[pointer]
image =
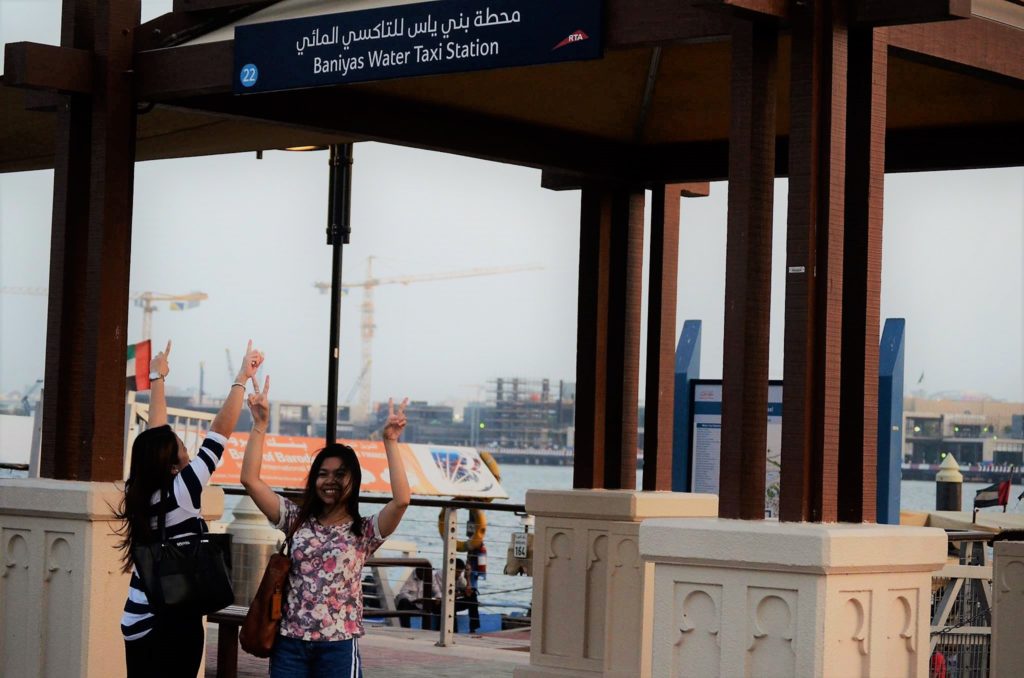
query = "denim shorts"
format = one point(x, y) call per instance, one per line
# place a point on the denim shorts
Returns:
point(293, 658)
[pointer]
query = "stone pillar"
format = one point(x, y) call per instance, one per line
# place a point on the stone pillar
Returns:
point(61, 587)
point(762, 599)
point(592, 595)
point(1008, 601)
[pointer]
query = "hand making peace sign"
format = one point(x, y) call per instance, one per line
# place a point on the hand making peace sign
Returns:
point(396, 422)
point(259, 404)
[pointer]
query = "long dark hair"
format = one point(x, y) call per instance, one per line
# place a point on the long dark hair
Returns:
point(154, 456)
point(311, 503)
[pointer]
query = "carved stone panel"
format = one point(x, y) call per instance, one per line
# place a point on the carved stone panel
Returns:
point(697, 651)
point(59, 587)
point(771, 624)
point(853, 635)
point(901, 641)
point(16, 596)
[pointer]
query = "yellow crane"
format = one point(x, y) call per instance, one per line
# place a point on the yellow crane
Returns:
point(144, 300)
point(367, 326)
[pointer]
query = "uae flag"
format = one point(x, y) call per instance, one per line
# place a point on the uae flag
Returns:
point(138, 366)
point(993, 495)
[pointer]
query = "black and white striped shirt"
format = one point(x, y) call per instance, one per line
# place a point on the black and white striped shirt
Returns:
point(183, 518)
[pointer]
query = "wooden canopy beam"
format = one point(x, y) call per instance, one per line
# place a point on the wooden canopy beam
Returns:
point(974, 46)
point(202, 5)
point(192, 18)
point(751, 9)
point(390, 120)
point(889, 13)
point(48, 67)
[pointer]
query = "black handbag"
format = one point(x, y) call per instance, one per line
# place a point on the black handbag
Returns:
point(188, 574)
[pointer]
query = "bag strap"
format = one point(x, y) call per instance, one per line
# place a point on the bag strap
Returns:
point(161, 518)
point(286, 546)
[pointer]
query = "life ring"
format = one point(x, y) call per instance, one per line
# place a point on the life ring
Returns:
point(476, 516)
point(492, 464)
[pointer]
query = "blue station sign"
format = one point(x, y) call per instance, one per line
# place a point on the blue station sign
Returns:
point(402, 41)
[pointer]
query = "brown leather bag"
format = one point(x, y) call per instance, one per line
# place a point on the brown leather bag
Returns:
point(259, 630)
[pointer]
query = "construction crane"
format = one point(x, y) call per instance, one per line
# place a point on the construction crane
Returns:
point(176, 302)
point(144, 300)
point(367, 309)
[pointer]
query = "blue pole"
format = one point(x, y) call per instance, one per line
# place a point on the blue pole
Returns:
point(890, 421)
point(687, 370)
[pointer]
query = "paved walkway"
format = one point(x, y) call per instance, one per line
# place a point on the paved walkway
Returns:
point(407, 653)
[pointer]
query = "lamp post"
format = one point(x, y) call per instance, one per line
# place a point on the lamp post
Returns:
point(339, 228)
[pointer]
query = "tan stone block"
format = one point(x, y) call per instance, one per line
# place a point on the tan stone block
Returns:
point(62, 590)
point(592, 593)
point(1008, 610)
point(762, 598)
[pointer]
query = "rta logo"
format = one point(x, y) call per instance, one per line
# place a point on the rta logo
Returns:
point(576, 36)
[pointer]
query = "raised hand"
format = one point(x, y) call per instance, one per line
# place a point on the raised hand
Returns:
point(259, 404)
point(159, 362)
point(250, 364)
point(396, 422)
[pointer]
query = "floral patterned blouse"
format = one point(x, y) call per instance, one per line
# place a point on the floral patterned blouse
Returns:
point(325, 589)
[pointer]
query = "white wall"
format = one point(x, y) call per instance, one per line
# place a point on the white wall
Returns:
point(15, 438)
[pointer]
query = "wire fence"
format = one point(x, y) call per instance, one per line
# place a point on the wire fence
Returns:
point(961, 635)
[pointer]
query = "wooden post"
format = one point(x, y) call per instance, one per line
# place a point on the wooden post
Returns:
point(591, 339)
point(748, 271)
point(862, 273)
point(625, 281)
point(814, 259)
point(608, 337)
point(659, 401)
point(87, 319)
point(661, 329)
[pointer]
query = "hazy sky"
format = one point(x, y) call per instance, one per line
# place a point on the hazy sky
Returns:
point(250, 233)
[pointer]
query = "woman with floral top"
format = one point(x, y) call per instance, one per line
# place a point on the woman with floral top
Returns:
point(323, 610)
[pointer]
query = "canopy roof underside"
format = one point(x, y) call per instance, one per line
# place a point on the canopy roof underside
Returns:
point(568, 117)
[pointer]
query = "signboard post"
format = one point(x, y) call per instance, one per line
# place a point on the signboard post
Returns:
point(410, 40)
point(706, 440)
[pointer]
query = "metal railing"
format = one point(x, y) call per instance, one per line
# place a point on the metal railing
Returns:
point(961, 623)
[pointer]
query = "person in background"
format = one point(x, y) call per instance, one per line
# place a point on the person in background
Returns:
point(411, 597)
point(323, 611)
point(161, 644)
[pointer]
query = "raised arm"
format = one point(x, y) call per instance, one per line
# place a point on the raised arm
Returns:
point(157, 395)
point(393, 511)
point(224, 422)
point(259, 491)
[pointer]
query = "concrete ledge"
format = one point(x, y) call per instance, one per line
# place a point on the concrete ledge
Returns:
point(619, 505)
point(79, 500)
point(814, 548)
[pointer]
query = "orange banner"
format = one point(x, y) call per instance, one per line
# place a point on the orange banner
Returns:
point(286, 462)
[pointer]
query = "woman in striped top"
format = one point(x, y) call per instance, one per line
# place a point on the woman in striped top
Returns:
point(164, 643)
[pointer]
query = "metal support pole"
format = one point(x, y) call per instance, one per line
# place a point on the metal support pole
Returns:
point(447, 637)
point(339, 228)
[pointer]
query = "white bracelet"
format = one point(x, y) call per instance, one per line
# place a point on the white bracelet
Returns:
point(258, 430)
point(238, 383)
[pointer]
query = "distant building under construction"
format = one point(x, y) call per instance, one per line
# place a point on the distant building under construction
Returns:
point(524, 413)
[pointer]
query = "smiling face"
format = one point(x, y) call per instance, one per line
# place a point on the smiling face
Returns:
point(332, 482)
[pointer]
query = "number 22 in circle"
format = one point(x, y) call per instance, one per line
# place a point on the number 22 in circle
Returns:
point(249, 75)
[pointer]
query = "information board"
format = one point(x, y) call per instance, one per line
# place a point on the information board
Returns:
point(415, 39)
point(706, 440)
